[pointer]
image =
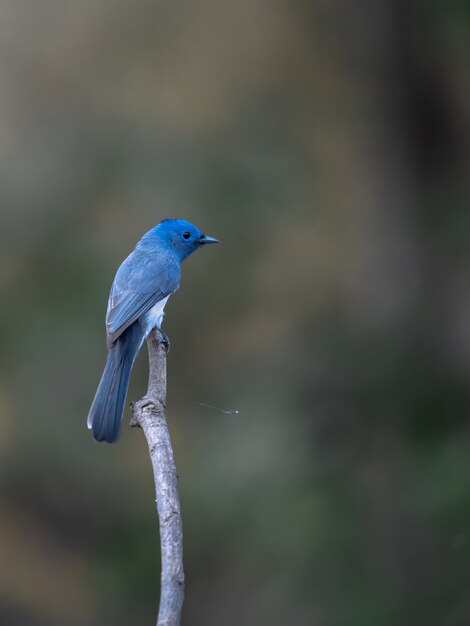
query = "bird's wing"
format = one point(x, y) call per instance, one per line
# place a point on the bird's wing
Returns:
point(140, 283)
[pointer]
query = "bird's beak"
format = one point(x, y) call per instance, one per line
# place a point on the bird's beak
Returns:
point(206, 239)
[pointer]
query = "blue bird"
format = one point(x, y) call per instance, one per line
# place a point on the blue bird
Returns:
point(141, 288)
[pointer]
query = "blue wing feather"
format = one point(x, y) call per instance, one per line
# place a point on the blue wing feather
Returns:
point(140, 282)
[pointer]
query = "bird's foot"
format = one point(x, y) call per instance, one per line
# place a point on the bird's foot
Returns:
point(165, 341)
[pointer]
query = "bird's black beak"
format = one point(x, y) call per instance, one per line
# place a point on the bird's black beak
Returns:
point(206, 239)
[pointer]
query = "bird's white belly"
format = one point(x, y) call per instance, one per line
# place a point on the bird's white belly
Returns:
point(154, 318)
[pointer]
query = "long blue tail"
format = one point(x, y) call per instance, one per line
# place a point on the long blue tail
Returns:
point(104, 418)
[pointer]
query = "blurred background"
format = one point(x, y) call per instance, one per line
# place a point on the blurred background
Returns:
point(327, 145)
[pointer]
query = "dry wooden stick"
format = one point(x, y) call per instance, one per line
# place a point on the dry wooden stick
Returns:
point(149, 414)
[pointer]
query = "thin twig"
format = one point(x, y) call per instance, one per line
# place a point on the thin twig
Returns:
point(149, 414)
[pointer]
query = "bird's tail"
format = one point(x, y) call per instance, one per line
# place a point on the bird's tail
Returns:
point(104, 418)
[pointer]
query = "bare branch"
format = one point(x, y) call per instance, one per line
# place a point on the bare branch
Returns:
point(149, 414)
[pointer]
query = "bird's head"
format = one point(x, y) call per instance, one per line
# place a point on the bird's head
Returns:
point(182, 237)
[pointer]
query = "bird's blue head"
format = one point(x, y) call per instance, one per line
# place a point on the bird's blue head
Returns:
point(181, 236)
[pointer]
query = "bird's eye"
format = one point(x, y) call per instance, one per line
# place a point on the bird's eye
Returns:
point(186, 235)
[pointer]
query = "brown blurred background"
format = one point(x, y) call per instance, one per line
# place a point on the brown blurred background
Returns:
point(327, 145)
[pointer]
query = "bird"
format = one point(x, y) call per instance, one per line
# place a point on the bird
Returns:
point(140, 290)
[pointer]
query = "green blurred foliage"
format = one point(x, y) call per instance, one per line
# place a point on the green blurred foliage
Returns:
point(327, 146)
